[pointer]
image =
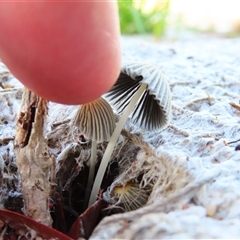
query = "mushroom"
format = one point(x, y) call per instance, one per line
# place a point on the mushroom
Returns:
point(144, 89)
point(129, 197)
point(96, 121)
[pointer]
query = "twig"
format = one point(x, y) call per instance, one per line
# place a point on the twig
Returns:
point(235, 105)
point(33, 159)
point(208, 99)
point(181, 83)
point(56, 124)
point(177, 108)
point(7, 90)
point(233, 141)
point(6, 140)
point(178, 130)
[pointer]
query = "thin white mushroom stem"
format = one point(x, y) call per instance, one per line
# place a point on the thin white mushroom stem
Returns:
point(113, 141)
point(92, 165)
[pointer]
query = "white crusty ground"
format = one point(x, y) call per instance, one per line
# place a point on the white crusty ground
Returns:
point(204, 75)
point(202, 169)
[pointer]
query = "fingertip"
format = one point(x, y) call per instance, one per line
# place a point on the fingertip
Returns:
point(72, 53)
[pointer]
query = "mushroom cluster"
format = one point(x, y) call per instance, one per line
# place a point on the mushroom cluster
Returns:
point(142, 92)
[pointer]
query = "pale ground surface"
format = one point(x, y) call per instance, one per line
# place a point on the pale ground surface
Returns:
point(195, 177)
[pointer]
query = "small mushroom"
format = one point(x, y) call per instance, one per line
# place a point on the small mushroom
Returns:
point(144, 89)
point(128, 197)
point(96, 121)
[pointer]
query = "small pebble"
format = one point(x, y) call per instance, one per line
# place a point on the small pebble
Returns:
point(211, 210)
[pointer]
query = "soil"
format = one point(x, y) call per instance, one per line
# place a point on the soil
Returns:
point(188, 172)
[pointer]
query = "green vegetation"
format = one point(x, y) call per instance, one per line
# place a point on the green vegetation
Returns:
point(135, 18)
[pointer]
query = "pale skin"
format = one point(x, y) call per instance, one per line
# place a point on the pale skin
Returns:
point(66, 52)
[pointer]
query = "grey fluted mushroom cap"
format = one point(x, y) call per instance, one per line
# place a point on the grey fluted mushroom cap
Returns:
point(153, 111)
point(95, 120)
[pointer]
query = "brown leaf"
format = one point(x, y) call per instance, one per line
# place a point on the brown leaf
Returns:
point(86, 222)
point(22, 224)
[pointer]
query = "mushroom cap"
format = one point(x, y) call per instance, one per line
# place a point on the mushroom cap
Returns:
point(130, 197)
point(95, 120)
point(153, 111)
